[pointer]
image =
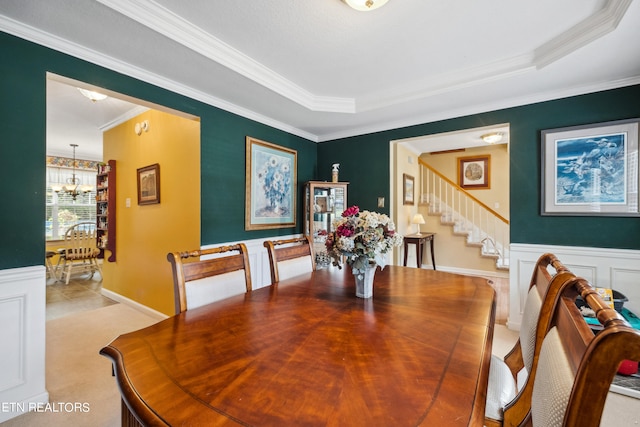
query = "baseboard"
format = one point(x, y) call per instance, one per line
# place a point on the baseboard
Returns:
point(133, 304)
point(15, 409)
point(470, 272)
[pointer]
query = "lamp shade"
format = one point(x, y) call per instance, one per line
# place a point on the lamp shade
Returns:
point(417, 219)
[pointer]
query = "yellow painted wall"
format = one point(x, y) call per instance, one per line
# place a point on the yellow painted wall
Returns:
point(145, 234)
point(406, 163)
point(447, 164)
point(451, 250)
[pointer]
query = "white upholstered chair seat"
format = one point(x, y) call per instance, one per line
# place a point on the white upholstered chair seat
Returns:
point(502, 387)
point(501, 390)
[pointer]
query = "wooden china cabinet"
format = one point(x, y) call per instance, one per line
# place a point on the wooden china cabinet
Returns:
point(323, 203)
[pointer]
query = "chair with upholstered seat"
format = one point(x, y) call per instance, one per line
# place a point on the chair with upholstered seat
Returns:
point(210, 276)
point(511, 379)
point(576, 367)
point(80, 252)
point(294, 257)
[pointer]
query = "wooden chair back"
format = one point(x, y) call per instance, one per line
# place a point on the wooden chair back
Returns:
point(576, 367)
point(80, 250)
point(203, 281)
point(548, 279)
point(81, 241)
point(293, 258)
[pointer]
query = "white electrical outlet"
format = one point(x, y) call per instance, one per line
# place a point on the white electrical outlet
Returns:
point(381, 202)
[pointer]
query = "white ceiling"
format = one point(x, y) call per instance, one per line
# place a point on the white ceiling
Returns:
point(321, 70)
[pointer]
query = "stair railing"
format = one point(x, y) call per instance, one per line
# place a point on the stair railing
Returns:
point(482, 225)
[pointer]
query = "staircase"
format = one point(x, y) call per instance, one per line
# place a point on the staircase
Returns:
point(471, 219)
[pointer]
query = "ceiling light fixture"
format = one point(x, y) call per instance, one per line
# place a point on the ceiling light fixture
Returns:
point(73, 186)
point(92, 95)
point(492, 138)
point(365, 5)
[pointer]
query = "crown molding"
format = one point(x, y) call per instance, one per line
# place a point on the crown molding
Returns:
point(590, 29)
point(448, 82)
point(481, 108)
point(156, 17)
point(40, 37)
point(165, 22)
point(595, 26)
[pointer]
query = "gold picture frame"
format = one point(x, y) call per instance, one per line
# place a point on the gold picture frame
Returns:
point(271, 185)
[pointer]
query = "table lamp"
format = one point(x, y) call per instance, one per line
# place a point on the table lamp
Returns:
point(418, 219)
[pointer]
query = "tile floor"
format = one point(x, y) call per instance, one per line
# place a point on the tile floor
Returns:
point(81, 294)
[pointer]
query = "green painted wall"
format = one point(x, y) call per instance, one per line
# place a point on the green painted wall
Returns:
point(365, 163)
point(364, 159)
point(23, 144)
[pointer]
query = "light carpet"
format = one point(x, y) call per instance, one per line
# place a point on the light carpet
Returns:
point(76, 373)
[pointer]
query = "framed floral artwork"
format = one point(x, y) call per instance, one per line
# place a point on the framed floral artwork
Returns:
point(270, 179)
point(149, 185)
point(474, 172)
point(591, 170)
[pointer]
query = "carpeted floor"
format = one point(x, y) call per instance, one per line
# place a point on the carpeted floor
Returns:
point(77, 374)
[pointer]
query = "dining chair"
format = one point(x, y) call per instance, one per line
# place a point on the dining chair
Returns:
point(80, 251)
point(203, 276)
point(576, 367)
point(511, 379)
point(295, 257)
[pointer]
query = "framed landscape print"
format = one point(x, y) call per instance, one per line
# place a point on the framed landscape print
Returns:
point(591, 170)
point(149, 185)
point(270, 179)
point(408, 189)
point(474, 172)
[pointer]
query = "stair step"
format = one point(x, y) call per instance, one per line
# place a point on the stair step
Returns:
point(459, 228)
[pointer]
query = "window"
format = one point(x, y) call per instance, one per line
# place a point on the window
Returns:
point(62, 210)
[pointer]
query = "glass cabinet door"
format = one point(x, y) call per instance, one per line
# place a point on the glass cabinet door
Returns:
point(324, 202)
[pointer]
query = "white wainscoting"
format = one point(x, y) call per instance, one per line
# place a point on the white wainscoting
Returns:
point(617, 269)
point(258, 258)
point(22, 356)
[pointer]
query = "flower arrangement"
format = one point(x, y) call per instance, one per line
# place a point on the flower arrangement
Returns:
point(275, 178)
point(361, 237)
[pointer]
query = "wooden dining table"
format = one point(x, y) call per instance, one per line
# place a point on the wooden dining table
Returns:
point(308, 352)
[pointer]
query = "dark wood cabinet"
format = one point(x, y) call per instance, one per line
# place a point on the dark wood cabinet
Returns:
point(106, 209)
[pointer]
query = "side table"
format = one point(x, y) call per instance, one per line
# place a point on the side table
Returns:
point(419, 240)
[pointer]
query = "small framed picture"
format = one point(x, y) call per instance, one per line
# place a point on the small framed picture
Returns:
point(408, 189)
point(149, 185)
point(474, 172)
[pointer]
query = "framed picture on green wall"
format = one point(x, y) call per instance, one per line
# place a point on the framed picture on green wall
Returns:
point(591, 170)
point(270, 179)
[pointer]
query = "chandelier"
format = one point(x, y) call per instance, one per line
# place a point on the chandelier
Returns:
point(73, 187)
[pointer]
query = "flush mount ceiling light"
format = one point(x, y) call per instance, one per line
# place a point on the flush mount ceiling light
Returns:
point(93, 96)
point(492, 138)
point(365, 5)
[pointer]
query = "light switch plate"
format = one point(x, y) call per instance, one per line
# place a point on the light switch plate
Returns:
point(381, 202)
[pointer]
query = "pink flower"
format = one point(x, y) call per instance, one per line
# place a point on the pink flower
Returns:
point(351, 211)
point(344, 231)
